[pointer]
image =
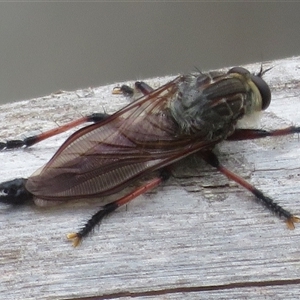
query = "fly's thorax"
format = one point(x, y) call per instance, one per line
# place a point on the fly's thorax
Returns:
point(210, 104)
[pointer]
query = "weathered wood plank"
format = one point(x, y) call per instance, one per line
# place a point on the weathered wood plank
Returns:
point(195, 236)
point(289, 292)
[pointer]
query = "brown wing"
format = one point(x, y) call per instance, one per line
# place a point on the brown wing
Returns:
point(103, 158)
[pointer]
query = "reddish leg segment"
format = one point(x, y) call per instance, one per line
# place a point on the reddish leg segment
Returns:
point(250, 134)
point(112, 206)
point(12, 144)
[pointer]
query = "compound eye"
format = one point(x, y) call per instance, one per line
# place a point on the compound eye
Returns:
point(263, 89)
point(259, 82)
point(239, 70)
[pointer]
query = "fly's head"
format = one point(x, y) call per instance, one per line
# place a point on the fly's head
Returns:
point(259, 89)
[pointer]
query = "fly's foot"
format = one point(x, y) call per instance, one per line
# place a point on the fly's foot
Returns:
point(124, 89)
point(291, 220)
point(75, 238)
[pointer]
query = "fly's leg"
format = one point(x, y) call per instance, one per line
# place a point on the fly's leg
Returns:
point(213, 160)
point(12, 144)
point(139, 86)
point(76, 237)
point(250, 134)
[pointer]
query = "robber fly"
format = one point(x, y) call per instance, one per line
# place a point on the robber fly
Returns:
point(189, 114)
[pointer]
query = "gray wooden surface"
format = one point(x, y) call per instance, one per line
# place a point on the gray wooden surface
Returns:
point(196, 237)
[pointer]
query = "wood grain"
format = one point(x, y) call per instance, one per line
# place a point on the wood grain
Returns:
point(196, 237)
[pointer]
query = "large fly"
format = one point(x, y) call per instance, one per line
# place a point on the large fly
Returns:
point(190, 114)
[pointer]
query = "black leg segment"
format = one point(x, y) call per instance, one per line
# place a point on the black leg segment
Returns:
point(213, 160)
